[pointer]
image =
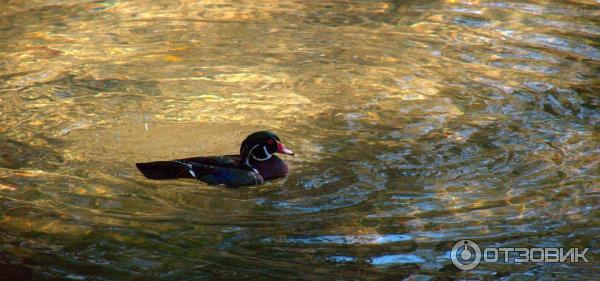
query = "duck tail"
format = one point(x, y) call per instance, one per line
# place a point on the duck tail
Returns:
point(163, 170)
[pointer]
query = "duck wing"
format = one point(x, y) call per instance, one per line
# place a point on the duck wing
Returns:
point(163, 170)
point(212, 170)
point(187, 167)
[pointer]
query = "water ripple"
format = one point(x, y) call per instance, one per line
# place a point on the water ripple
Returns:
point(415, 123)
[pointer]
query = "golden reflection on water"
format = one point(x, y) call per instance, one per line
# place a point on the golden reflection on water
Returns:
point(416, 123)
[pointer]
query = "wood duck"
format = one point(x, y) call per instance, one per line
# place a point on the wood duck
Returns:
point(255, 164)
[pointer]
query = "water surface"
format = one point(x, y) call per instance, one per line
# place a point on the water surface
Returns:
point(415, 123)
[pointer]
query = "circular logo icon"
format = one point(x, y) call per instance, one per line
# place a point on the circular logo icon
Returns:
point(466, 255)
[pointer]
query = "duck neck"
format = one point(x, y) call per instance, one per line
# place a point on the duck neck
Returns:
point(274, 167)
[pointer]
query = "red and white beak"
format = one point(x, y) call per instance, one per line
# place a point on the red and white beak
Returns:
point(281, 149)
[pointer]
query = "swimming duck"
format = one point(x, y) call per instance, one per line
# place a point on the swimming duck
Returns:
point(255, 164)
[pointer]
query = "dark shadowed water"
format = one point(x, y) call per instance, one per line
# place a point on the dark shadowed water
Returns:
point(415, 124)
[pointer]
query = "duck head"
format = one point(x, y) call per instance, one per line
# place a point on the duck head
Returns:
point(261, 146)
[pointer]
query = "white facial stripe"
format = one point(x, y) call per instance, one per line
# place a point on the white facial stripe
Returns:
point(266, 152)
point(267, 157)
point(250, 153)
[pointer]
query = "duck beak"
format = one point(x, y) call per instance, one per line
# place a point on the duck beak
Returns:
point(281, 149)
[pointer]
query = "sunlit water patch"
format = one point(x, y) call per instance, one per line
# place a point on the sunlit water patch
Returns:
point(415, 124)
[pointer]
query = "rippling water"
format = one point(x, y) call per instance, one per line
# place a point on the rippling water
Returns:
point(416, 124)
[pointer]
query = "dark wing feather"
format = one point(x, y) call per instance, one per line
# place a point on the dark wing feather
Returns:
point(228, 161)
point(162, 170)
point(232, 177)
point(213, 170)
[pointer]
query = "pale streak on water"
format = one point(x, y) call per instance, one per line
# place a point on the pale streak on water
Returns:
point(416, 124)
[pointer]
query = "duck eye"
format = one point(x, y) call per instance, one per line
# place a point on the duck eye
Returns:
point(270, 142)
